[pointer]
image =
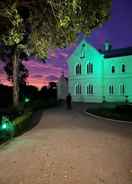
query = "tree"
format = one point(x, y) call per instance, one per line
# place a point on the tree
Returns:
point(55, 23)
point(23, 72)
point(13, 38)
point(5, 56)
point(37, 25)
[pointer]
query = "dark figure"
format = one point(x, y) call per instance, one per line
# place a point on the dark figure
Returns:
point(68, 101)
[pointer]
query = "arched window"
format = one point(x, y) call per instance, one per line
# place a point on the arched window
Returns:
point(111, 90)
point(123, 68)
point(113, 69)
point(78, 89)
point(78, 69)
point(122, 89)
point(89, 89)
point(89, 68)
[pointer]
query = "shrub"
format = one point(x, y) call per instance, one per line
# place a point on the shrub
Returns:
point(21, 123)
point(124, 108)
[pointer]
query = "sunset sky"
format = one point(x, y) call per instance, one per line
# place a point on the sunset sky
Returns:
point(118, 30)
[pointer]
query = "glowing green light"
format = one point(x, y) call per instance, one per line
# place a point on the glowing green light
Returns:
point(27, 100)
point(4, 126)
point(6, 123)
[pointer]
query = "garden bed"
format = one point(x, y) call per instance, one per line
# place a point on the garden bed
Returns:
point(121, 112)
point(25, 119)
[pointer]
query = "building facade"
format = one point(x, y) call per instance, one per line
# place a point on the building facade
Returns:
point(97, 76)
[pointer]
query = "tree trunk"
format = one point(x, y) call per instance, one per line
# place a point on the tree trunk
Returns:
point(15, 80)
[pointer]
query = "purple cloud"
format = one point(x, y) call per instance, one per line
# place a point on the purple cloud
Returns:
point(52, 78)
point(37, 76)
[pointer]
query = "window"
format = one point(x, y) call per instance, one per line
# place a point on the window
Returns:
point(87, 89)
point(113, 69)
point(123, 68)
point(78, 69)
point(111, 90)
point(90, 89)
point(89, 68)
point(78, 89)
point(83, 51)
point(122, 89)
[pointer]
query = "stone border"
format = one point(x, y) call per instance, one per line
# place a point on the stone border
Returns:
point(108, 119)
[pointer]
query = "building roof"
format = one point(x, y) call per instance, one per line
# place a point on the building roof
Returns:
point(111, 53)
point(117, 52)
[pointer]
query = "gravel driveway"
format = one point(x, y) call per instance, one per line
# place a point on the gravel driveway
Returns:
point(68, 147)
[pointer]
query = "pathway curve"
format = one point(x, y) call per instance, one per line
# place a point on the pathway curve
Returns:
point(68, 147)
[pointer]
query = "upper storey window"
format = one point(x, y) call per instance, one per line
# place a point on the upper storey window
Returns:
point(89, 68)
point(123, 68)
point(113, 69)
point(78, 69)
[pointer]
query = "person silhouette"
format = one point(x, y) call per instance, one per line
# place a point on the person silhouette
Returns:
point(68, 101)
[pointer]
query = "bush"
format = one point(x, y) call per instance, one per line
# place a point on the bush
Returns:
point(41, 104)
point(124, 108)
point(21, 123)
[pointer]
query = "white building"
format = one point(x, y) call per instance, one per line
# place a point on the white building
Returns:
point(97, 76)
point(62, 88)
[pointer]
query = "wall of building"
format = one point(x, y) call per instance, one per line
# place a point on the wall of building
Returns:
point(118, 78)
point(62, 88)
point(93, 57)
point(101, 78)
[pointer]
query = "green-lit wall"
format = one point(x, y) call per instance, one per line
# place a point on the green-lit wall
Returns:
point(102, 76)
point(118, 78)
point(95, 78)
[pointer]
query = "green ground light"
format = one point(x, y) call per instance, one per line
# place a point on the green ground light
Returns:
point(6, 128)
point(26, 100)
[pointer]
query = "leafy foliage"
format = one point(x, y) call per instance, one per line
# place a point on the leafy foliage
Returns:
point(33, 26)
point(53, 23)
point(58, 21)
point(16, 30)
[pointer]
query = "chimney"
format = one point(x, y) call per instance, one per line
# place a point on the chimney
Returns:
point(107, 46)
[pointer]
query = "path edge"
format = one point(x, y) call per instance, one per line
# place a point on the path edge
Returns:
point(107, 119)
